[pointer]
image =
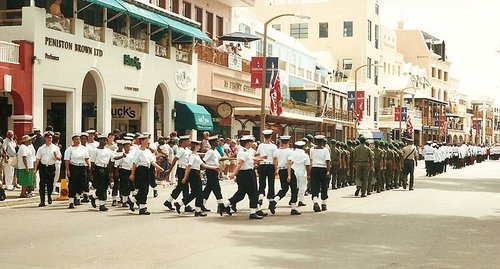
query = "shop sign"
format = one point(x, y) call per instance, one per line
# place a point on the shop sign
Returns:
point(134, 62)
point(184, 79)
point(238, 87)
point(63, 44)
point(310, 87)
point(51, 57)
point(126, 111)
point(225, 121)
point(129, 88)
point(234, 62)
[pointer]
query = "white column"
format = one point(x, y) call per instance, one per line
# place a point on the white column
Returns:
point(71, 107)
point(147, 121)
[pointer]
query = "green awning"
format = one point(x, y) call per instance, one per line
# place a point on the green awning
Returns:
point(192, 116)
point(111, 4)
point(185, 29)
point(144, 14)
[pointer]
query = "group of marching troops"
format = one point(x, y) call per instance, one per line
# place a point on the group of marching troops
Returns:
point(129, 165)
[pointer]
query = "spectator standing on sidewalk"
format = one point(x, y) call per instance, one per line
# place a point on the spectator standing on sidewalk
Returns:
point(9, 146)
point(25, 165)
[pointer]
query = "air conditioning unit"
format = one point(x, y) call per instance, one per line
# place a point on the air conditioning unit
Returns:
point(7, 83)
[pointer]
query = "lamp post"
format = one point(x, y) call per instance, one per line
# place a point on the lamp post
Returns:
point(264, 67)
point(356, 92)
point(401, 92)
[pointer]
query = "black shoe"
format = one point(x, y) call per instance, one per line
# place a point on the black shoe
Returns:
point(262, 213)
point(92, 201)
point(188, 209)
point(200, 214)
point(177, 207)
point(378, 191)
point(103, 208)
point(356, 193)
point(155, 193)
point(411, 189)
point(316, 208)
point(71, 206)
point(260, 202)
point(124, 204)
point(295, 212)
point(77, 202)
point(301, 204)
point(49, 199)
point(404, 185)
point(204, 209)
point(168, 204)
point(255, 216)
point(323, 207)
point(85, 198)
point(368, 193)
point(233, 207)
point(363, 195)
point(41, 204)
point(113, 203)
point(272, 206)
point(144, 211)
point(130, 205)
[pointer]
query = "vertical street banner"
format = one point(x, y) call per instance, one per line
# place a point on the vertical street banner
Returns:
point(271, 71)
point(404, 113)
point(397, 113)
point(256, 65)
point(409, 128)
point(360, 99)
point(442, 126)
point(478, 129)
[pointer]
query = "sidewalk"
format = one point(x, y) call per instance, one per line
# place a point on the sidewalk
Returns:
point(13, 199)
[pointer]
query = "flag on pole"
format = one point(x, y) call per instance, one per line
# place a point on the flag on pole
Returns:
point(275, 94)
point(409, 128)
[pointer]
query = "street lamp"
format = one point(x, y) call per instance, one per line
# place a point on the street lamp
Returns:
point(401, 92)
point(264, 67)
point(356, 92)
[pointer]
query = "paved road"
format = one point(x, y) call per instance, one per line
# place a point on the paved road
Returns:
point(450, 221)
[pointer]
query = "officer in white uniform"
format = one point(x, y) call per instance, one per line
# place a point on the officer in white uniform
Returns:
point(301, 165)
point(320, 171)
point(429, 158)
point(100, 158)
point(266, 167)
point(46, 157)
point(77, 162)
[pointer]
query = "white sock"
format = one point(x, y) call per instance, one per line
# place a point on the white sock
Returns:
point(142, 206)
point(181, 203)
point(226, 203)
point(261, 196)
point(219, 201)
point(277, 199)
point(102, 202)
point(258, 207)
point(197, 209)
point(94, 195)
point(132, 198)
point(71, 200)
point(114, 198)
point(154, 188)
point(170, 198)
point(294, 205)
point(253, 210)
point(323, 202)
point(315, 200)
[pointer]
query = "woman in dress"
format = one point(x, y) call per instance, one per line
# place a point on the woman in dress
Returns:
point(25, 165)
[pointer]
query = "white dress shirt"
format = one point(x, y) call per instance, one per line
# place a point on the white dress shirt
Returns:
point(283, 155)
point(299, 162)
point(195, 161)
point(212, 157)
point(46, 154)
point(266, 150)
point(319, 157)
point(101, 157)
point(127, 162)
point(77, 155)
point(144, 157)
point(246, 156)
point(183, 157)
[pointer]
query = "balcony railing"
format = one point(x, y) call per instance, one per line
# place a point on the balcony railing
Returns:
point(9, 52)
point(123, 41)
point(458, 126)
point(92, 32)
point(316, 111)
point(11, 17)
point(222, 58)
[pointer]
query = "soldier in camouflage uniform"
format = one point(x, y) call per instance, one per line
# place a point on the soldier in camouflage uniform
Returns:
point(364, 164)
point(351, 179)
point(378, 159)
point(335, 156)
point(389, 165)
point(346, 157)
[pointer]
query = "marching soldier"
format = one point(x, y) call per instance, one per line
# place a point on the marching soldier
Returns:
point(76, 161)
point(371, 179)
point(266, 167)
point(320, 171)
point(301, 165)
point(46, 157)
point(283, 162)
point(124, 165)
point(389, 172)
point(115, 169)
point(364, 163)
point(378, 160)
point(429, 158)
point(336, 159)
point(100, 172)
point(345, 164)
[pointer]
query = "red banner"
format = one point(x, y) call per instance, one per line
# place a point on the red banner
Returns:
point(256, 65)
point(397, 113)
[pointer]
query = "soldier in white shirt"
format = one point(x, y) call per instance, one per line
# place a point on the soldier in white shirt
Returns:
point(46, 157)
point(429, 158)
point(301, 165)
point(283, 162)
point(245, 178)
point(118, 152)
point(320, 172)
point(212, 158)
point(141, 173)
point(124, 164)
point(193, 177)
point(84, 139)
point(266, 167)
point(101, 172)
point(76, 161)
point(182, 158)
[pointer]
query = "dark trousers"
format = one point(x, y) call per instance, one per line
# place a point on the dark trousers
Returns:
point(152, 177)
point(184, 188)
point(285, 185)
point(77, 179)
point(266, 172)
point(126, 186)
point(86, 187)
point(100, 183)
point(212, 185)
point(246, 186)
point(428, 168)
point(142, 184)
point(116, 184)
point(194, 181)
point(409, 168)
point(47, 174)
point(336, 183)
point(319, 182)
